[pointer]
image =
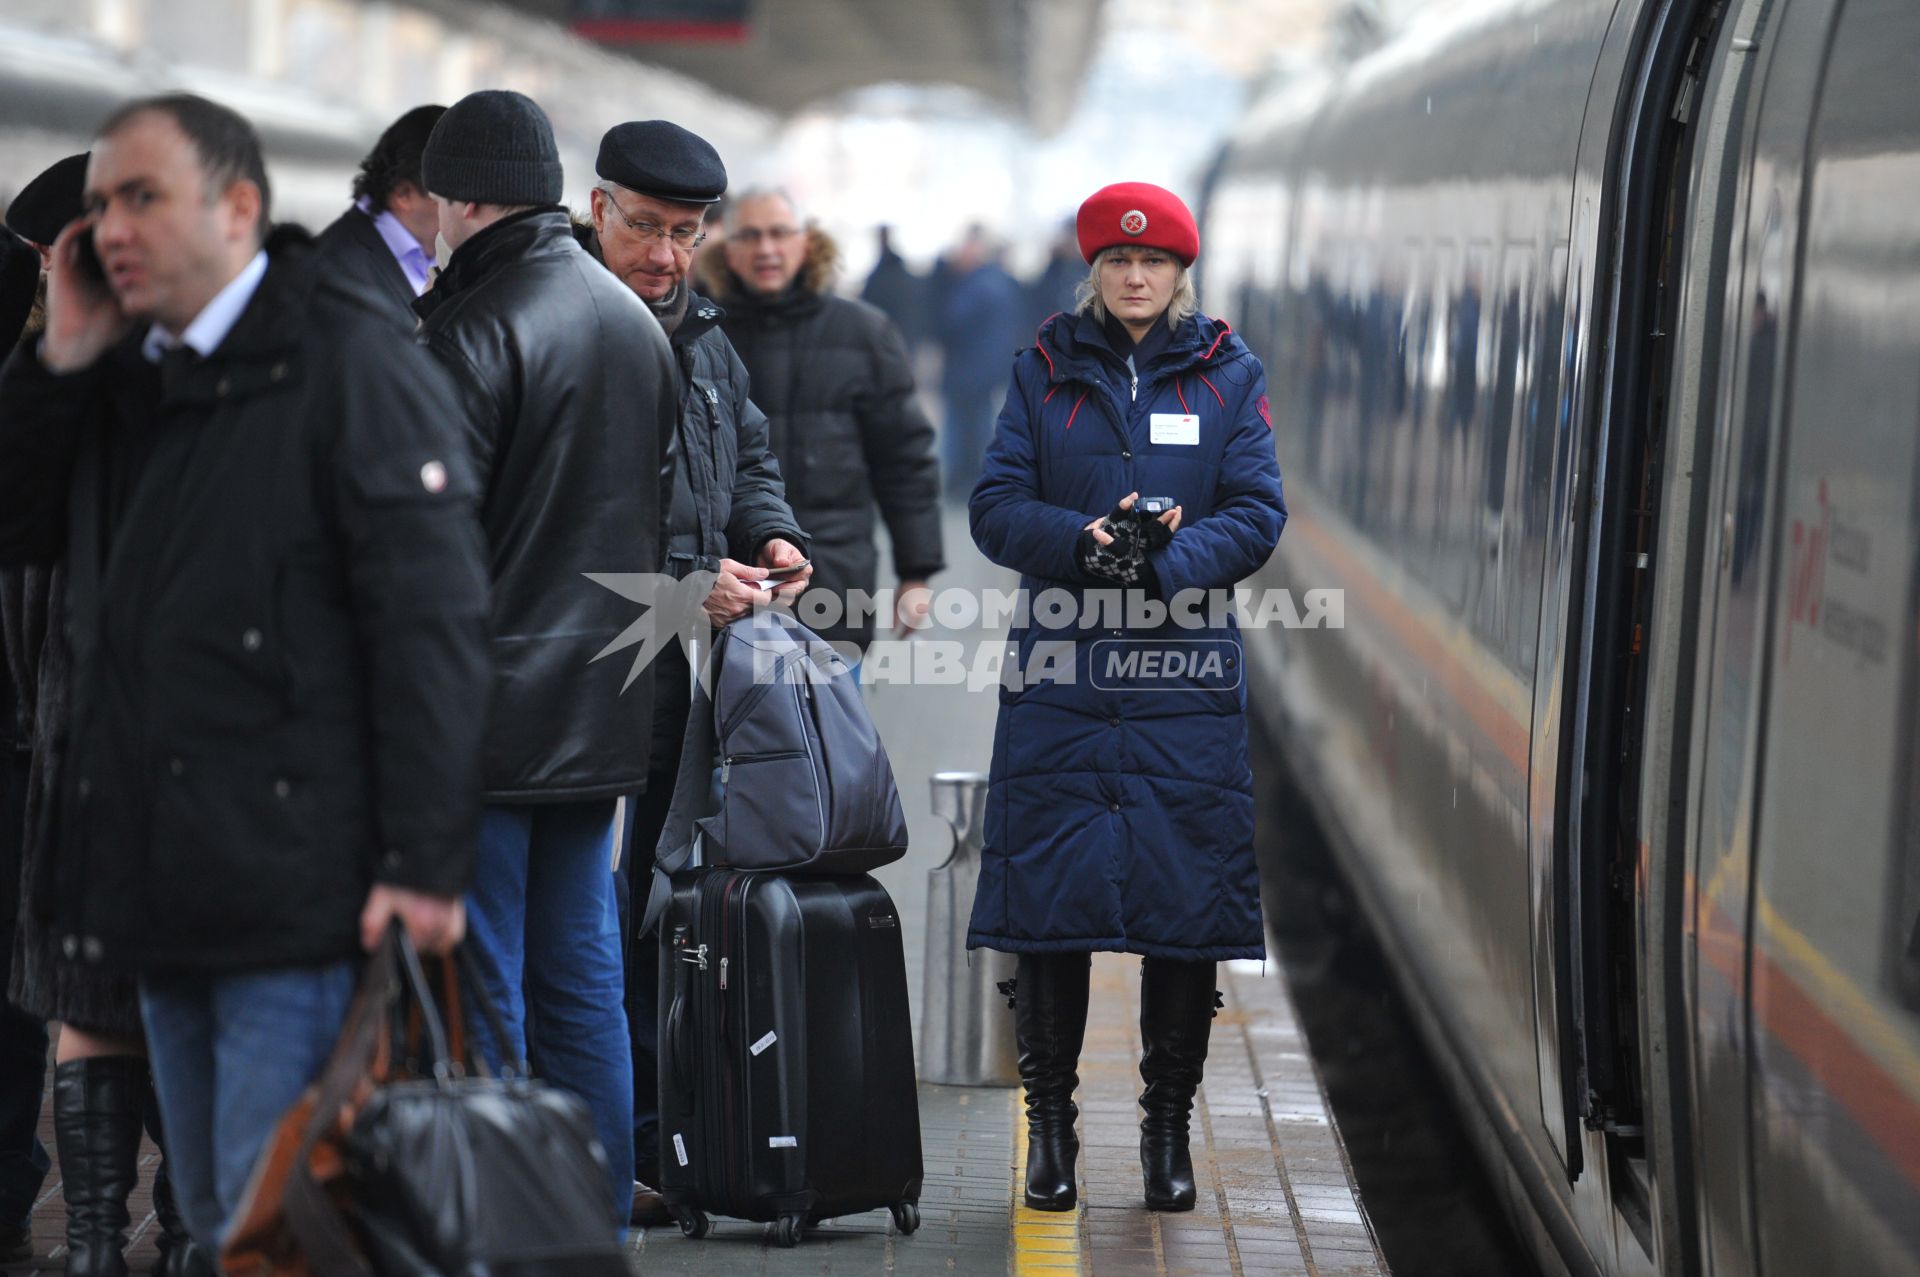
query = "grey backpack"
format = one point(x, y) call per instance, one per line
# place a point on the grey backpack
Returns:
point(781, 768)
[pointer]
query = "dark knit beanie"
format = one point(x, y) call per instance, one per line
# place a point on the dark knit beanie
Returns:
point(493, 147)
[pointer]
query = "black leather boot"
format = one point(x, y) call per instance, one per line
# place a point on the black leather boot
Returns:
point(180, 1255)
point(1050, 1021)
point(96, 1123)
point(1177, 1001)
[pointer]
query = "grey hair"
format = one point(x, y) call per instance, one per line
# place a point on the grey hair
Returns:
point(761, 193)
point(1183, 306)
point(609, 188)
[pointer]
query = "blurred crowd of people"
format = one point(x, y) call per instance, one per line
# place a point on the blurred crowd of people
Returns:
point(977, 315)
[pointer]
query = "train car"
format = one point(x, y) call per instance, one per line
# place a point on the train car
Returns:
point(1593, 333)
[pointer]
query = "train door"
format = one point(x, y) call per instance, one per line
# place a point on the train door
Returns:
point(1591, 699)
point(1767, 80)
point(1835, 1063)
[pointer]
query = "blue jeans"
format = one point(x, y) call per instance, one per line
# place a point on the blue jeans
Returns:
point(543, 918)
point(231, 1053)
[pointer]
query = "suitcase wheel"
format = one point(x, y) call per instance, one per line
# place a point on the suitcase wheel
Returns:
point(693, 1222)
point(906, 1217)
point(786, 1231)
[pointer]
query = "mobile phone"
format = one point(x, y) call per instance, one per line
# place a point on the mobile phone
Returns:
point(790, 569)
point(87, 259)
point(1153, 507)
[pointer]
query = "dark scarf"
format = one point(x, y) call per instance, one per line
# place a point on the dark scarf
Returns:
point(1143, 351)
point(672, 308)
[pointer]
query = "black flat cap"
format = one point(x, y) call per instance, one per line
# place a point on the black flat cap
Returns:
point(44, 207)
point(661, 159)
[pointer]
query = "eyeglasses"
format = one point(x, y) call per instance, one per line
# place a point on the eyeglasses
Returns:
point(753, 234)
point(684, 238)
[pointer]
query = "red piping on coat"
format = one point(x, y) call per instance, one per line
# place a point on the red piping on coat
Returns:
point(1216, 393)
point(1183, 399)
point(1076, 409)
point(1050, 394)
point(1225, 328)
point(1041, 346)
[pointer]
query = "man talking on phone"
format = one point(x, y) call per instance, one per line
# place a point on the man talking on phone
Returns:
point(727, 508)
point(276, 606)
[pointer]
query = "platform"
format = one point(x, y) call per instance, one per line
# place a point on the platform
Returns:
point(1275, 1192)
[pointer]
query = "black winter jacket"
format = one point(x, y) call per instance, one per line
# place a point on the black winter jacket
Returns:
point(354, 247)
point(569, 386)
point(834, 379)
point(276, 609)
point(739, 500)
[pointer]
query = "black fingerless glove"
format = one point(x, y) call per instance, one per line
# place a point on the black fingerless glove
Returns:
point(1154, 535)
point(1122, 563)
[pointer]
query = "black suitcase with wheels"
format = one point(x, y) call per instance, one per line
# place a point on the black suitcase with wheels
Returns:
point(786, 1058)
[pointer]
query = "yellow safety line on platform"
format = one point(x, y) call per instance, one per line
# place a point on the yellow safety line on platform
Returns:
point(1045, 1242)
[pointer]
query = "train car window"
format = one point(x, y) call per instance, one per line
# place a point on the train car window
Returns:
point(1501, 575)
point(1904, 926)
point(1373, 316)
point(1462, 428)
point(1431, 424)
point(1544, 422)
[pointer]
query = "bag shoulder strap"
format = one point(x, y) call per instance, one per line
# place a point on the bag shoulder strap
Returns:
point(692, 793)
point(315, 1221)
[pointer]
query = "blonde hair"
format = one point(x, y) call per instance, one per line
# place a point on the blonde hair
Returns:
point(1183, 306)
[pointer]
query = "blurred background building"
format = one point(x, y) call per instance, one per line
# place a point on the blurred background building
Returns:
point(933, 116)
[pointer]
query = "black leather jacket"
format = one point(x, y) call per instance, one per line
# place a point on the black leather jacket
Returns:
point(569, 386)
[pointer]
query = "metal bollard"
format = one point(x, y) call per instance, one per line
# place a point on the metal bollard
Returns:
point(966, 1030)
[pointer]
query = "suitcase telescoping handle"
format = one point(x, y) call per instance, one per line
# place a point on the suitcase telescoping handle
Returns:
point(679, 1057)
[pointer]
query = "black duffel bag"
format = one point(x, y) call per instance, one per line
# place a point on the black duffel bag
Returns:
point(457, 1173)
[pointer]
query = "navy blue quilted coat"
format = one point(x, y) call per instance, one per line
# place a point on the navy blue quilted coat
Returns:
point(1120, 811)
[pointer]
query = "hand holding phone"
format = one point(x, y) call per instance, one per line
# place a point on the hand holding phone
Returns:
point(84, 317)
point(787, 569)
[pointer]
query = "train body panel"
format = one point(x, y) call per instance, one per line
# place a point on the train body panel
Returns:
point(1593, 334)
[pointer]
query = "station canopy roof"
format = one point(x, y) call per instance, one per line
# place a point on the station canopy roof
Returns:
point(1027, 55)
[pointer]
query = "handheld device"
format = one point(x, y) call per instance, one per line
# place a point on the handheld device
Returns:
point(788, 570)
point(1153, 507)
point(86, 259)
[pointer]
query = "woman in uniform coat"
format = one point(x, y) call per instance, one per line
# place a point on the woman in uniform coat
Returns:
point(1120, 805)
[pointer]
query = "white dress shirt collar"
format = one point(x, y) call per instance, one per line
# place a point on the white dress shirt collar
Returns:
point(215, 320)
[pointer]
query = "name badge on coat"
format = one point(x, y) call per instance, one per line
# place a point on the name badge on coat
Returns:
point(1175, 427)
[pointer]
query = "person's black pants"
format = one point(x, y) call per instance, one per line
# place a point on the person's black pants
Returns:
point(646, 816)
point(646, 813)
point(23, 1039)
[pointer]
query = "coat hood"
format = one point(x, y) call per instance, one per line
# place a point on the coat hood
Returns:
point(817, 271)
point(1070, 343)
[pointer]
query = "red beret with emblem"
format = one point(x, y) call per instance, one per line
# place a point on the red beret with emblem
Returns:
point(1139, 215)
